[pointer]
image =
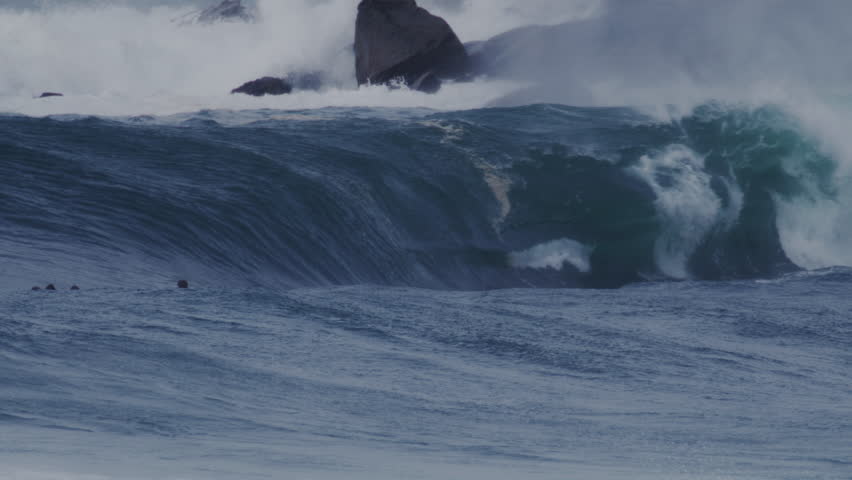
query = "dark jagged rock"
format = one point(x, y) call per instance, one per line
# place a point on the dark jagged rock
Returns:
point(182, 284)
point(75, 287)
point(282, 86)
point(36, 288)
point(228, 10)
point(50, 287)
point(265, 86)
point(50, 94)
point(397, 39)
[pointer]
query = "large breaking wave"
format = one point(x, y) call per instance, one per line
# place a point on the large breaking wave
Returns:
point(530, 196)
point(738, 167)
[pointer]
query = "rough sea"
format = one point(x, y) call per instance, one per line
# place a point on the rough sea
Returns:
point(653, 283)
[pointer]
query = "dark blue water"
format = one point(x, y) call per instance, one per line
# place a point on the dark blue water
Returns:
point(537, 292)
point(403, 198)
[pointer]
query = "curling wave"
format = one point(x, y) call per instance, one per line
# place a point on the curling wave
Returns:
point(535, 196)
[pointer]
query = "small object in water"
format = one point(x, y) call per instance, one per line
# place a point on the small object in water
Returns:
point(36, 288)
point(183, 284)
point(50, 287)
point(75, 287)
point(50, 94)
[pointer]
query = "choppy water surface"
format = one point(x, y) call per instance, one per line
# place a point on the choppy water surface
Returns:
point(690, 380)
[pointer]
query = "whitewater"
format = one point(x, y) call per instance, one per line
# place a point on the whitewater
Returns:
point(625, 255)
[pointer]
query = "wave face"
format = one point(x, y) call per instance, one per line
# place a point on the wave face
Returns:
point(536, 196)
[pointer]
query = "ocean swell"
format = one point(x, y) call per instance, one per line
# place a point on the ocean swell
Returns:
point(394, 197)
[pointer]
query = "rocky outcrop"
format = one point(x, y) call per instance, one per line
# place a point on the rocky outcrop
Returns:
point(396, 39)
point(50, 94)
point(265, 86)
point(282, 86)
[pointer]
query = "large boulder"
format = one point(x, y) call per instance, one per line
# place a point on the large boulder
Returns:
point(396, 39)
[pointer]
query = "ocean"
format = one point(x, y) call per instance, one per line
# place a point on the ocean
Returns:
point(587, 280)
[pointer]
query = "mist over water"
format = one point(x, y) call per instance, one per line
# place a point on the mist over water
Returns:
point(596, 52)
point(126, 58)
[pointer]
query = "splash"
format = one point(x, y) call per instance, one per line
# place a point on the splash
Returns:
point(554, 255)
point(686, 203)
point(114, 59)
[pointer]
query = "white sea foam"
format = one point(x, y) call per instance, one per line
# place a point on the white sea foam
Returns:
point(686, 204)
point(113, 59)
point(554, 255)
point(461, 96)
point(815, 225)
